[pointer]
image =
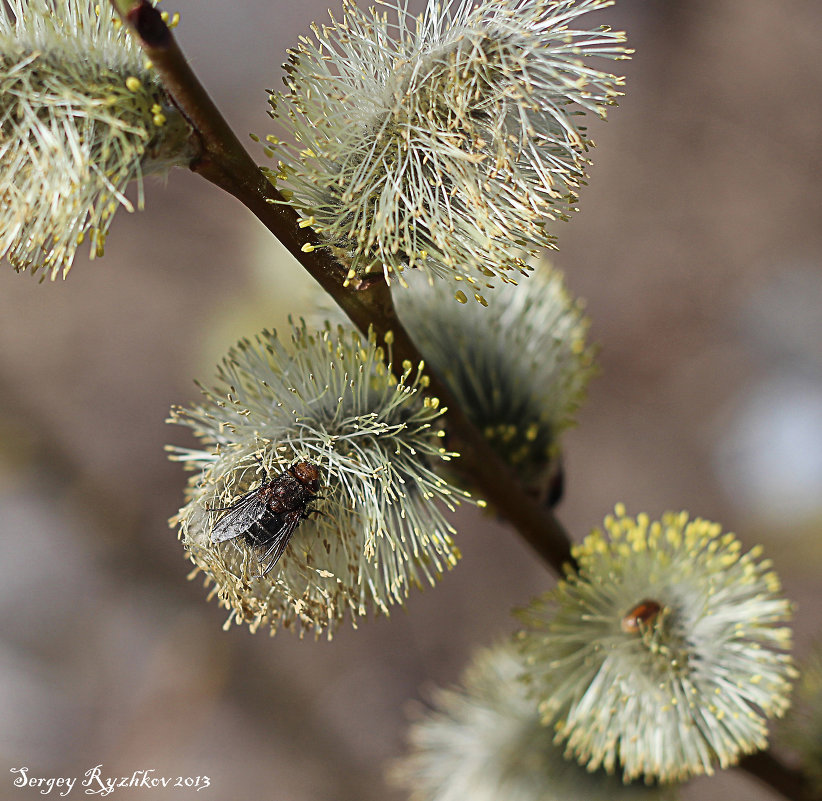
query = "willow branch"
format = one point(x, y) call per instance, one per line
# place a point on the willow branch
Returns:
point(224, 161)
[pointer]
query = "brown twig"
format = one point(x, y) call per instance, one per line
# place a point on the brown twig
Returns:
point(224, 161)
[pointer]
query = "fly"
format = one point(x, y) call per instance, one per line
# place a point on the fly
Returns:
point(268, 516)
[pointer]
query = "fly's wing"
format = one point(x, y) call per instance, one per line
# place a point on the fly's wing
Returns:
point(239, 517)
point(280, 527)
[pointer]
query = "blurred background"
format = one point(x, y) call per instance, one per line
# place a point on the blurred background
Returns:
point(699, 250)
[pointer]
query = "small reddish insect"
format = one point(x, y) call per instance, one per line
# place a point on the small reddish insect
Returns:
point(268, 516)
point(642, 614)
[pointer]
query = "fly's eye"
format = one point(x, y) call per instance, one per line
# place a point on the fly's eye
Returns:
point(643, 614)
point(308, 474)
